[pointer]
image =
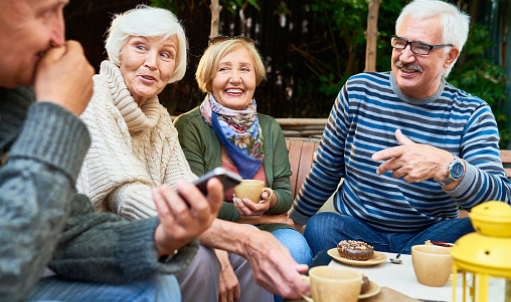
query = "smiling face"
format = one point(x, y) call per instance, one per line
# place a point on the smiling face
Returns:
point(147, 64)
point(416, 75)
point(234, 81)
point(28, 28)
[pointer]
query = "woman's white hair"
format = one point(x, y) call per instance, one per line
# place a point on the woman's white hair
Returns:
point(455, 23)
point(145, 21)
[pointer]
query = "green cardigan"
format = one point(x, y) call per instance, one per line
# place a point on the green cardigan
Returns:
point(202, 149)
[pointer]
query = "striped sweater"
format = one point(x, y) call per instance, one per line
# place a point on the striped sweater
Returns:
point(363, 120)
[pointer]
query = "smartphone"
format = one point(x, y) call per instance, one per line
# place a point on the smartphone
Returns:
point(227, 178)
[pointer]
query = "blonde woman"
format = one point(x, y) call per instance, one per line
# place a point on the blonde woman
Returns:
point(226, 131)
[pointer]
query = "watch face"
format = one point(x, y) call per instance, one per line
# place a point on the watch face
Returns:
point(457, 170)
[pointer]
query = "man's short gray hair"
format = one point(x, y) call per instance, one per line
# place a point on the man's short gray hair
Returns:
point(455, 23)
point(145, 21)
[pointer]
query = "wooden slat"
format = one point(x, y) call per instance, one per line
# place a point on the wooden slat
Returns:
point(316, 147)
point(301, 133)
point(505, 156)
point(301, 121)
point(305, 165)
point(306, 127)
point(295, 152)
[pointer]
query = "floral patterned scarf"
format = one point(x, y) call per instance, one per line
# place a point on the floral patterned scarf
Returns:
point(240, 133)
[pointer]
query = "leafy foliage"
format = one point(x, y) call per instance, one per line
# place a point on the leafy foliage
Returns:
point(340, 49)
point(478, 75)
point(173, 6)
point(180, 5)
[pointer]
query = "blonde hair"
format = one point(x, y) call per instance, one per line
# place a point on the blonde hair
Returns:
point(214, 53)
point(145, 21)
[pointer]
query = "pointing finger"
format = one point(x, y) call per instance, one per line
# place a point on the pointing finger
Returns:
point(387, 153)
point(402, 139)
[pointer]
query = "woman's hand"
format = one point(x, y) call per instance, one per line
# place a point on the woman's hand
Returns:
point(229, 290)
point(247, 207)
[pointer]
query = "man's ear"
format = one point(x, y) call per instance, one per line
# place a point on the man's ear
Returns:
point(451, 56)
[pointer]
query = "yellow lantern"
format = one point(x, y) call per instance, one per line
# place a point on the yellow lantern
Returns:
point(486, 253)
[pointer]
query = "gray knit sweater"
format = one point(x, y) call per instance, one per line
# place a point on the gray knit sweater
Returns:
point(42, 219)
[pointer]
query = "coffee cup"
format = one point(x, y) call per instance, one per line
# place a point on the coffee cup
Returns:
point(251, 189)
point(432, 264)
point(333, 284)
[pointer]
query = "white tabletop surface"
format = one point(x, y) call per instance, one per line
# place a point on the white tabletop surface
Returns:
point(401, 278)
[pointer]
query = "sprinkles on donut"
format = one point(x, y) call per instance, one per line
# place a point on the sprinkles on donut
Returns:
point(355, 250)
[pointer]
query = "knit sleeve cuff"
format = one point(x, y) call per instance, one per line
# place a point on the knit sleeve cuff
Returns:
point(55, 136)
point(466, 183)
point(133, 201)
point(141, 259)
point(297, 217)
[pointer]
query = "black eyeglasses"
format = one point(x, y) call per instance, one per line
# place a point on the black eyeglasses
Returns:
point(417, 47)
point(220, 39)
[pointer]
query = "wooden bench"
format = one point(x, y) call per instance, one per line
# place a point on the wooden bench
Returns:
point(301, 154)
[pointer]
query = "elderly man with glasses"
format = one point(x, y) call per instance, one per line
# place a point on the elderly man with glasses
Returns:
point(411, 148)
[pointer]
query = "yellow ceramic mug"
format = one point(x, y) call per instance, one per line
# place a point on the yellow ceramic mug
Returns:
point(251, 189)
point(432, 264)
point(333, 284)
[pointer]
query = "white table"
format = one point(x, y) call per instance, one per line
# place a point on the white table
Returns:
point(401, 278)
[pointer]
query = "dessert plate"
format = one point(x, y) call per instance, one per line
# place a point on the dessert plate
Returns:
point(377, 258)
point(373, 290)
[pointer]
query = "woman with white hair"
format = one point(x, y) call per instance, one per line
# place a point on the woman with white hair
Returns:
point(135, 147)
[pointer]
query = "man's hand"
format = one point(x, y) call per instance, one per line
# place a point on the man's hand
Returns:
point(229, 285)
point(272, 265)
point(64, 77)
point(184, 216)
point(414, 162)
point(274, 268)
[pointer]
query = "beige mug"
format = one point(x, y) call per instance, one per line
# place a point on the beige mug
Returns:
point(251, 189)
point(432, 264)
point(333, 284)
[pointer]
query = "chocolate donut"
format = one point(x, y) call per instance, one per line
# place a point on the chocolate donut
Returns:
point(355, 250)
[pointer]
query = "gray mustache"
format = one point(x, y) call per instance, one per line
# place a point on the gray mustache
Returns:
point(411, 67)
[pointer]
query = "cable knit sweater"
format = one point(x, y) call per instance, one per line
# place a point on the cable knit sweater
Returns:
point(134, 149)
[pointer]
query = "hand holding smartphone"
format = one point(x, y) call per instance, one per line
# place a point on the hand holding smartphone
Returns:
point(227, 178)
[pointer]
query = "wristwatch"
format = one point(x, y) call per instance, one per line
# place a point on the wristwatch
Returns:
point(456, 170)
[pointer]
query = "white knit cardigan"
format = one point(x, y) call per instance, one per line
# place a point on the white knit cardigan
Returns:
point(134, 149)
